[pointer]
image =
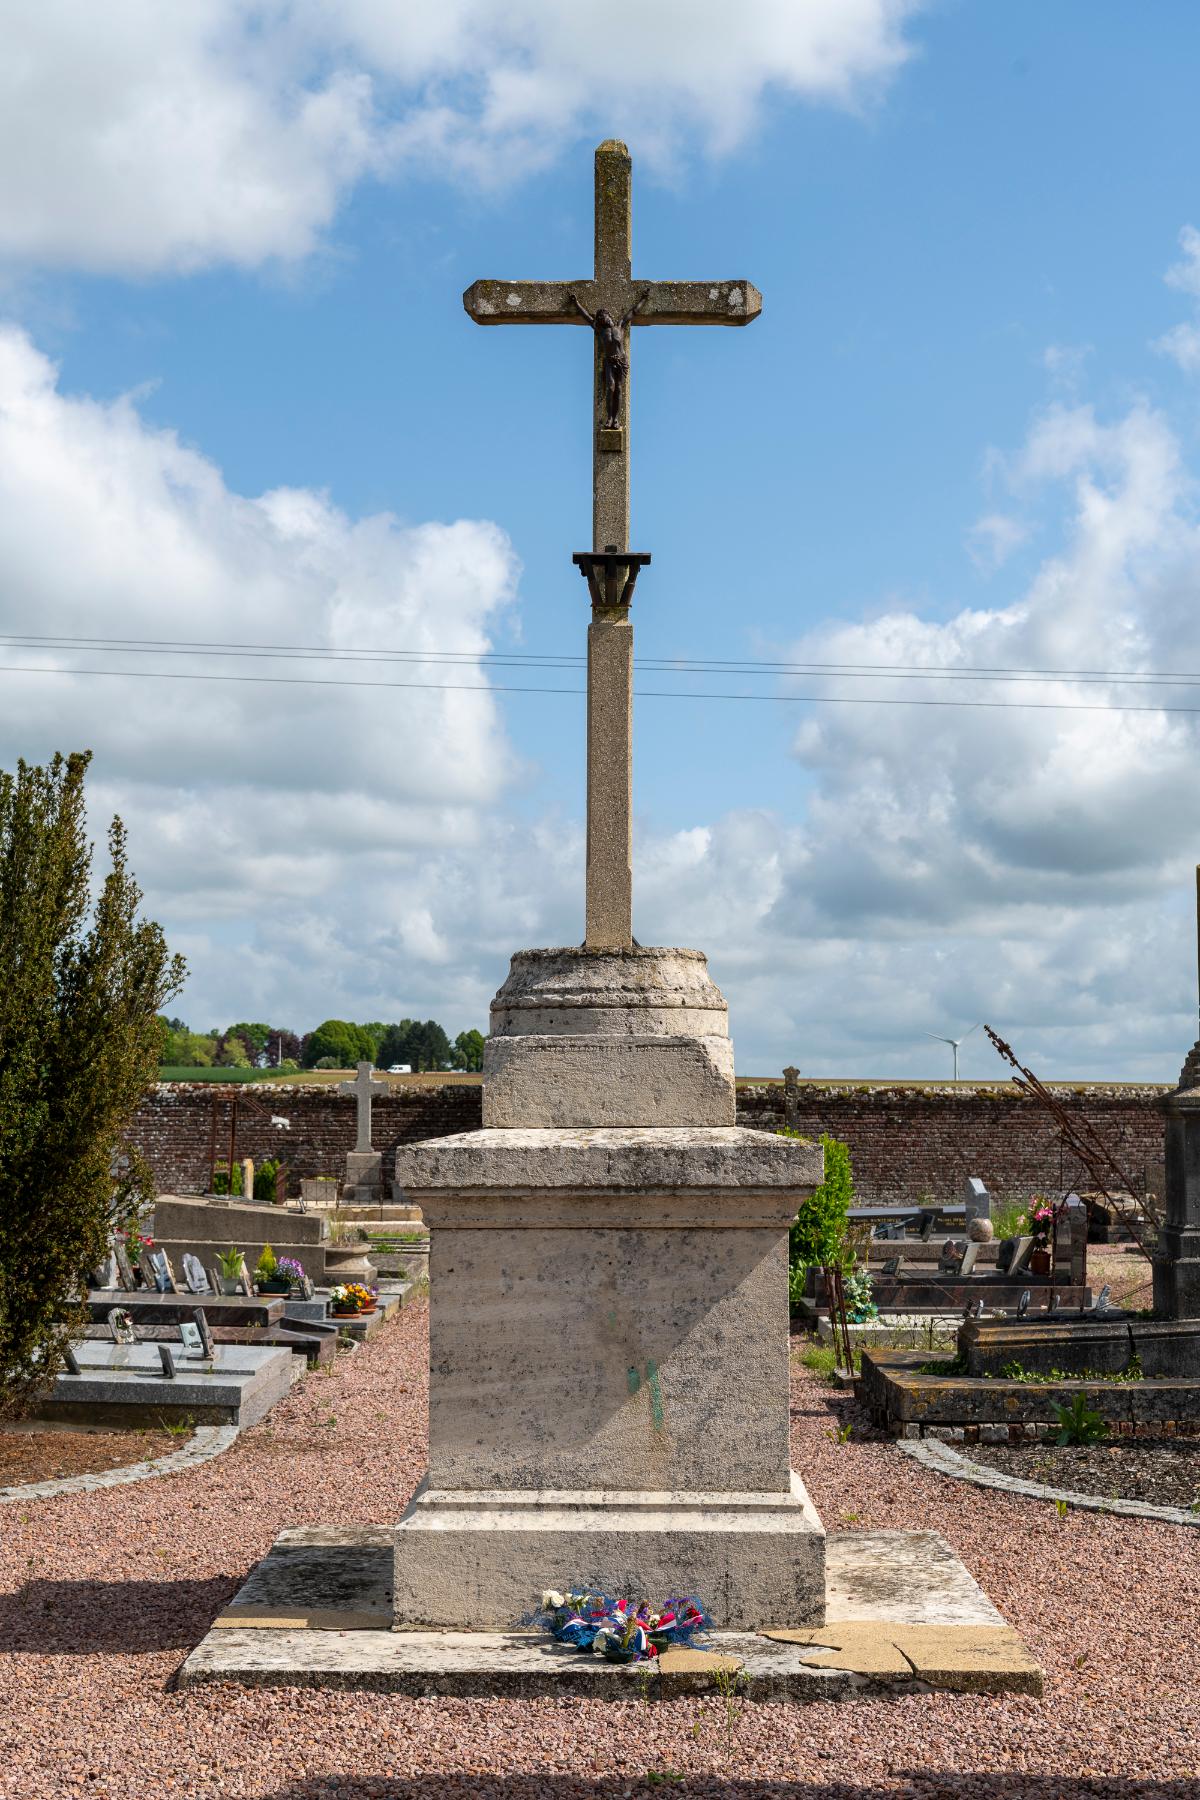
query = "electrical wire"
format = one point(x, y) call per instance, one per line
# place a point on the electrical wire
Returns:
point(639, 693)
point(521, 659)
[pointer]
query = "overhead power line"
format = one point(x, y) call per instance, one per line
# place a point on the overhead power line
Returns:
point(521, 659)
point(485, 687)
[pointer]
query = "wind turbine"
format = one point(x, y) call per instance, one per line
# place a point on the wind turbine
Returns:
point(953, 1043)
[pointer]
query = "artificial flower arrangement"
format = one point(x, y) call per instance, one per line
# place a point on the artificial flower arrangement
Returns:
point(1041, 1221)
point(860, 1305)
point(615, 1629)
point(352, 1297)
point(136, 1242)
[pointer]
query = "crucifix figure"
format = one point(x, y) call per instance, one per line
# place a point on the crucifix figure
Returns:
point(614, 358)
point(362, 1087)
point(611, 303)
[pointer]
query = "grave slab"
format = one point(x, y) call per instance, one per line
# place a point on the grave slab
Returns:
point(911, 1399)
point(169, 1309)
point(124, 1384)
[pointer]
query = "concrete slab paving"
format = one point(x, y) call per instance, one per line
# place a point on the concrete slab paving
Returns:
point(903, 1577)
point(903, 1615)
point(316, 1587)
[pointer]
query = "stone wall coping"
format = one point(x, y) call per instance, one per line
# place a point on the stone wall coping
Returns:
point(810, 1085)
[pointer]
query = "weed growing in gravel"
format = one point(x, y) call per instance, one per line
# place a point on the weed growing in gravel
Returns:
point(839, 1434)
point(822, 1360)
point(661, 1777)
point(732, 1685)
point(1060, 1507)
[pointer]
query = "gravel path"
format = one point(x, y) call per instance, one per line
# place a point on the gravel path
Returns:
point(102, 1595)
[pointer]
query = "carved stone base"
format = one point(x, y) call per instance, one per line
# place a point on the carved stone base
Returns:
point(478, 1561)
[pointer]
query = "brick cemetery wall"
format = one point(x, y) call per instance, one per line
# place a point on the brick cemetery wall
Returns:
point(912, 1138)
point(906, 1139)
point(183, 1128)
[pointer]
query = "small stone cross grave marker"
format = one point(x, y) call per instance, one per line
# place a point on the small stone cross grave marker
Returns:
point(362, 1087)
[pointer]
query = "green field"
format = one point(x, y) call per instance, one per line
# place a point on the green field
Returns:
point(168, 1073)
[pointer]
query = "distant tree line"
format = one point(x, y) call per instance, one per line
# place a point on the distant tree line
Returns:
point(336, 1044)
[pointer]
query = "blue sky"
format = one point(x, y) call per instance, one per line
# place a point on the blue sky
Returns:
point(960, 436)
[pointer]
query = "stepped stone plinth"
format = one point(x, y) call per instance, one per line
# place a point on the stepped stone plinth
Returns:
point(608, 1037)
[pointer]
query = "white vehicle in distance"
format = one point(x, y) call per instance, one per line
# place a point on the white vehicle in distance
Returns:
point(400, 1069)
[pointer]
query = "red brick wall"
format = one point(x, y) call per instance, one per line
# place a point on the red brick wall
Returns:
point(904, 1140)
point(907, 1140)
point(182, 1126)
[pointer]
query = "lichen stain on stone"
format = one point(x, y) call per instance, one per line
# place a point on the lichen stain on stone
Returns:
point(634, 1380)
point(736, 299)
point(513, 299)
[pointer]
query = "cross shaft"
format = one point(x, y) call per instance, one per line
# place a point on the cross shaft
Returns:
point(610, 303)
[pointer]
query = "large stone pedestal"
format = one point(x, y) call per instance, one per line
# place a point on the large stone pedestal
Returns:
point(609, 1375)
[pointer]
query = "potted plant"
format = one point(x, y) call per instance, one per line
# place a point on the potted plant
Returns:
point(231, 1262)
point(268, 1277)
point(343, 1302)
point(1041, 1225)
point(288, 1267)
point(367, 1297)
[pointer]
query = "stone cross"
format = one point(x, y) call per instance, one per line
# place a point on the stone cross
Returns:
point(609, 909)
point(362, 1087)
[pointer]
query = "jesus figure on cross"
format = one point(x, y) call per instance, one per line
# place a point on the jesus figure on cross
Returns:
point(614, 359)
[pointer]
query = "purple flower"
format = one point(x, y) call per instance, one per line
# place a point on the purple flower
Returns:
point(287, 1265)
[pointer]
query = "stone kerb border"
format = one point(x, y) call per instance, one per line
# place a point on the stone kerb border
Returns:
point(933, 1454)
point(208, 1441)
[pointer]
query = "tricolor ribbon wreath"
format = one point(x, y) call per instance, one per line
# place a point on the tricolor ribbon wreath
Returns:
point(616, 1629)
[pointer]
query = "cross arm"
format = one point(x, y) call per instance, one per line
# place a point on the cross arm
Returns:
point(696, 302)
point(529, 302)
point(658, 302)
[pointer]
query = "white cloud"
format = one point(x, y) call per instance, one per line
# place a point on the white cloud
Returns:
point(1182, 342)
point(992, 540)
point(1030, 867)
point(315, 853)
point(142, 137)
point(277, 817)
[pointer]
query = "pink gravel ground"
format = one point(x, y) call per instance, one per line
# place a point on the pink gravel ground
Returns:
point(102, 1595)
